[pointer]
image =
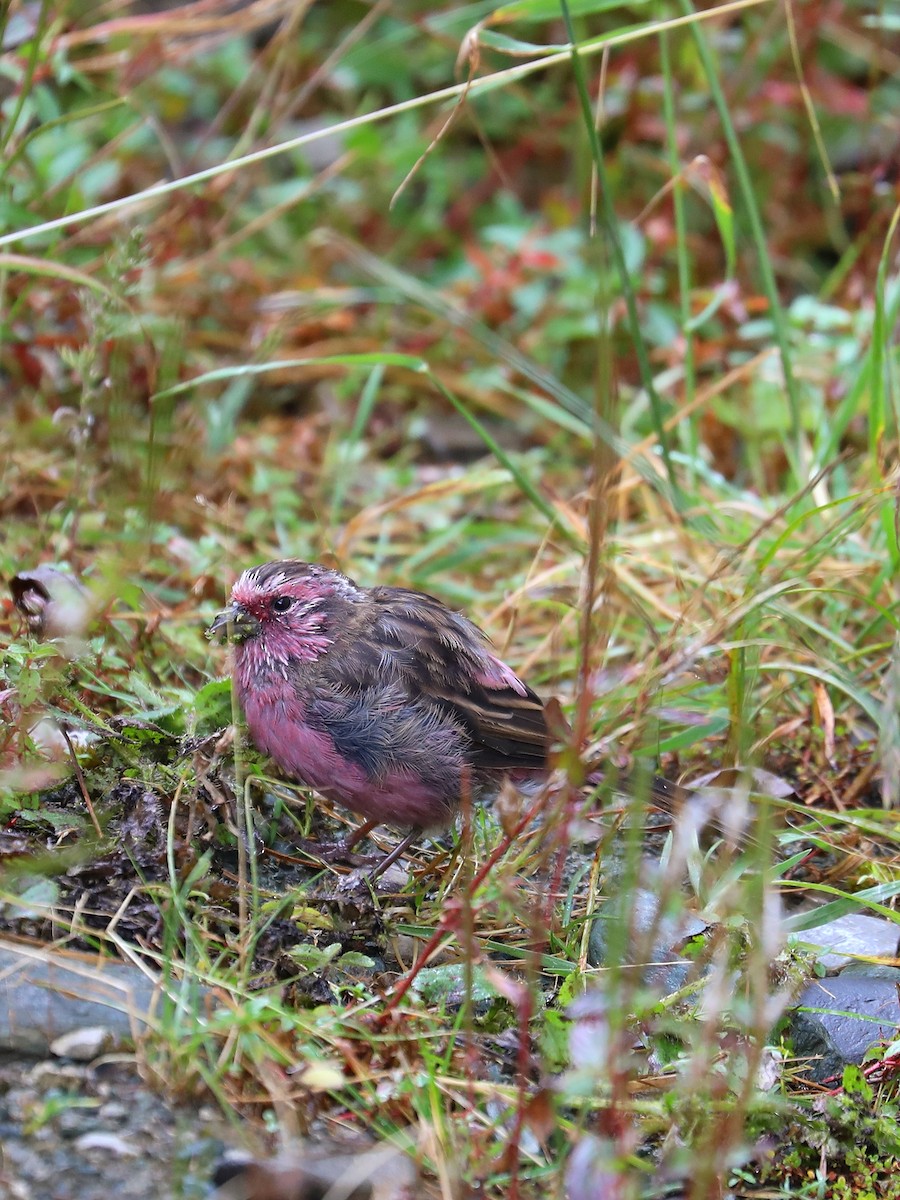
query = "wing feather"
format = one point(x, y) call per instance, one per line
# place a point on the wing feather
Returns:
point(443, 660)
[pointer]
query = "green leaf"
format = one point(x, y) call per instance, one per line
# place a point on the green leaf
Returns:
point(869, 898)
point(866, 702)
point(855, 1083)
point(548, 10)
point(409, 361)
point(448, 983)
point(28, 686)
point(515, 47)
point(212, 704)
point(35, 900)
point(353, 958)
point(689, 736)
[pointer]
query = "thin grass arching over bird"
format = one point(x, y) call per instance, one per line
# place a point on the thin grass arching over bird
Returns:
point(382, 699)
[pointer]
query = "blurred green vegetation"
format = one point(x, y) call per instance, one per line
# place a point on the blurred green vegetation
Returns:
point(623, 388)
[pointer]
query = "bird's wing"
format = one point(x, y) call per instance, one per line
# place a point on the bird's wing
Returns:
point(441, 657)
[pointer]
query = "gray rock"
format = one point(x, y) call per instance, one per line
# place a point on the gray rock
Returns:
point(67, 1077)
point(845, 1016)
point(46, 993)
point(663, 964)
point(71, 1123)
point(872, 970)
point(841, 940)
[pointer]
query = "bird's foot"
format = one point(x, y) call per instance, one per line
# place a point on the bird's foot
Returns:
point(356, 886)
point(337, 853)
point(340, 853)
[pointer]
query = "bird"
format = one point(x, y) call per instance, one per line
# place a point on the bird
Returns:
point(383, 699)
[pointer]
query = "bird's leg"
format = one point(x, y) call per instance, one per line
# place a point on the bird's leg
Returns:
point(358, 834)
point(389, 859)
point(340, 851)
point(361, 881)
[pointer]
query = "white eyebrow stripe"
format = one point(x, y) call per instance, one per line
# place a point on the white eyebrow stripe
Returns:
point(306, 606)
point(253, 577)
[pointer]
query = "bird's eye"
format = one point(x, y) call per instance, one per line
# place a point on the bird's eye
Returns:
point(281, 604)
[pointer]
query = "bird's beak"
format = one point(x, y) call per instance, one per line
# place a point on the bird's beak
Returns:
point(235, 623)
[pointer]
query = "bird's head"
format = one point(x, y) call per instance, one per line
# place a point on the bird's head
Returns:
point(286, 610)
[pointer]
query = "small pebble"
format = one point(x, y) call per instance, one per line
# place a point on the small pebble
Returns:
point(113, 1111)
point(112, 1143)
point(82, 1045)
point(50, 1074)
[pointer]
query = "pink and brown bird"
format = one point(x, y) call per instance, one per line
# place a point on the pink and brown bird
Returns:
point(382, 699)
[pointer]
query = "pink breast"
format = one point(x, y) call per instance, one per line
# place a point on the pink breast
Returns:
point(277, 726)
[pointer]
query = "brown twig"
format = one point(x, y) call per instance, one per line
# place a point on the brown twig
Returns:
point(82, 785)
